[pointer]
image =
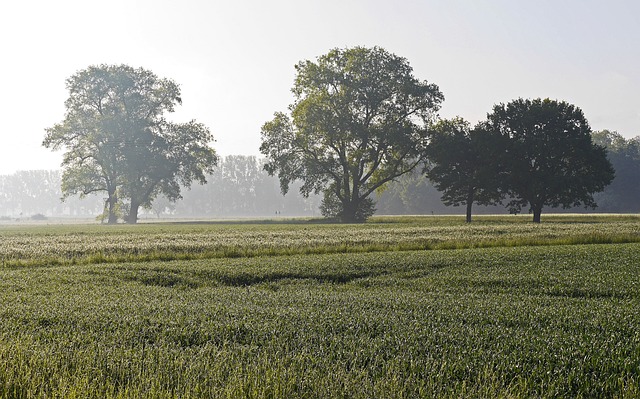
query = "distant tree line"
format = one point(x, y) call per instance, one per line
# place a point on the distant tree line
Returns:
point(623, 194)
point(25, 194)
point(240, 187)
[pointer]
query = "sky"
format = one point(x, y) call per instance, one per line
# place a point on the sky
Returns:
point(234, 60)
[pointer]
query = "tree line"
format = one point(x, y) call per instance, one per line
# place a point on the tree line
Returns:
point(360, 122)
point(240, 187)
point(26, 194)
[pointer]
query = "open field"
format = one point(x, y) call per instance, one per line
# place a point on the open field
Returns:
point(504, 309)
point(46, 245)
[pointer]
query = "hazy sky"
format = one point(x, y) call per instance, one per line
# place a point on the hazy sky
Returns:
point(234, 59)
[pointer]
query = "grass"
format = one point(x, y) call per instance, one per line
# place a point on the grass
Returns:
point(74, 244)
point(501, 321)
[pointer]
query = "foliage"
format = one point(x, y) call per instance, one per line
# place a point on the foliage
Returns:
point(331, 207)
point(464, 163)
point(359, 121)
point(503, 322)
point(238, 187)
point(117, 139)
point(550, 158)
point(38, 191)
point(623, 194)
point(178, 155)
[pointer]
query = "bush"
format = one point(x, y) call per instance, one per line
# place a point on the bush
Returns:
point(38, 216)
point(332, 208)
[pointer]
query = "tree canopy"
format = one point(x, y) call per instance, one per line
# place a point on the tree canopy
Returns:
point(550, 159)
point(359, 120)
point(117, 139)
point(464, 163)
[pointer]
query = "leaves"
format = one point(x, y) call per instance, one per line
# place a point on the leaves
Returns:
point(463, 163)
point(550, 159)
point(118, 141)
point(358, 121)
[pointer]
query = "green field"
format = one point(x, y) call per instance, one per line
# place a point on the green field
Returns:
point(395, 308)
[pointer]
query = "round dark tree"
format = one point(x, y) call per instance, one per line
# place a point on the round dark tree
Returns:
point(464, 164)
point(550, 158)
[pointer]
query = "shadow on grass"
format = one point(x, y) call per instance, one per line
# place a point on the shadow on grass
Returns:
point(246, 279)
point(171, 280)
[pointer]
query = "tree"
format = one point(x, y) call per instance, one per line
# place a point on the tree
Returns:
point(163, 162)
point(359, 120)
point(463, 164)
point(550, 159)
point(118, 141)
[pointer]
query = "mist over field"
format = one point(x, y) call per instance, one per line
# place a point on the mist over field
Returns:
point(241, 189)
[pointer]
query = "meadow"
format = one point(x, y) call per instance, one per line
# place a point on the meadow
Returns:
point(395, 308)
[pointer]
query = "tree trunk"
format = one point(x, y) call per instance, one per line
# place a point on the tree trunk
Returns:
point(537, 211)
point(113, 202)
point(470, 195)
point(349, 210)
point(132, 218)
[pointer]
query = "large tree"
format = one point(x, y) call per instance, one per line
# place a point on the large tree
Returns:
point(118, 141)
point(359, 120)
point(550, 157)
point(464, 164)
